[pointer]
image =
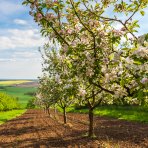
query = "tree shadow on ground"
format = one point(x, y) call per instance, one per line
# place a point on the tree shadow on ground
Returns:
point(32, 131)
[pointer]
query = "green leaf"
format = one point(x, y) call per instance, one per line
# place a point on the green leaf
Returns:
point(142, 13)
point(98, 40)
point(137, 62)
point(111, 56)
point(24, 3)
point(125, 49)
point(146, 37)
point(122, 82)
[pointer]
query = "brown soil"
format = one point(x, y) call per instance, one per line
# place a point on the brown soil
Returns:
point(36, 129)
point(27, 84)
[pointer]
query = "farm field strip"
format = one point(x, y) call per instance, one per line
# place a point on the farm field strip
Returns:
point(13, 82)
point(19, 92)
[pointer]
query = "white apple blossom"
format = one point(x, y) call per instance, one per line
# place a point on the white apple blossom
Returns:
point(82, 92)
point(89, 72)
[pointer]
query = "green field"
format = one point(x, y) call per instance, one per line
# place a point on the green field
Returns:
point(16, 91)
point(13, 82)
point(19, 92)
point(5, 116)
point(130, 113)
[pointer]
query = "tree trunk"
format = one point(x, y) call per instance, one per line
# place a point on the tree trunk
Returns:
point(55, 113)
point(64, 115)
point(48, 111)
point(44, 110)
point(91, 123)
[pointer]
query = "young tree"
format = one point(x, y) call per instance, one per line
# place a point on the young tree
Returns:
point(45, 94)
point(63, 87)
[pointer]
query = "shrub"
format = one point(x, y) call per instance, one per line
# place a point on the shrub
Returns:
point(30, 93)
point(8, 102)
point(30, 104)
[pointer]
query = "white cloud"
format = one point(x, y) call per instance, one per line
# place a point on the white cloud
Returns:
point(26, 55)
point(20, 22)
point(17, 38)
point(28, 69)
point(10, 7)
point(2, 60)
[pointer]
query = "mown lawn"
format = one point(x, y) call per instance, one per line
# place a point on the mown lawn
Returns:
point(130, 113)
point(7, 115)
point(19, 92)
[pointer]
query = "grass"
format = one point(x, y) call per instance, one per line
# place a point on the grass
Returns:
point(19, 92)
point(7, 115)
point(13, 82)
point(130, 113)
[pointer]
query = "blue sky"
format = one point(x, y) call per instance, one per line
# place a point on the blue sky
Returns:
point(20, 40)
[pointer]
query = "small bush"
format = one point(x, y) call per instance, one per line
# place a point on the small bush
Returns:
point(30, 104)
point(79, 107)
point(30, 93)
point(8, 102)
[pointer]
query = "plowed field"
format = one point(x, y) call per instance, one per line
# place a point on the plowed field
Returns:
point(36, 129)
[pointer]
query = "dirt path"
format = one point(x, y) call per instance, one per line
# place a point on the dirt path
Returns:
point(36, 129)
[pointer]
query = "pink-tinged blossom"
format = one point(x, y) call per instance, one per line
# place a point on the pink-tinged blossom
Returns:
point(39, 16)
point(133, 84)
point(50, 16)
point(57, 78)
point(62, 57)
point(82, 92)
point(68, 86)
point(129, 60)
point(142, 52)
point(144, 80)
point(84, 39)
point(120, 92)
point(117, 32)
point(104, 69)
point(107, 77)
point(123, 29)
point(69, 31)
point(91, 23)
point(78, 27)
point(88, 56)
point(65, 48)
point(134, 101)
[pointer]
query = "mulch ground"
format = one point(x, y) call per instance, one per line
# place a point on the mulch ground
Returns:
point(37, 130)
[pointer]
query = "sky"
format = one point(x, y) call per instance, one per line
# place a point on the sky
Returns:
point(20, 40)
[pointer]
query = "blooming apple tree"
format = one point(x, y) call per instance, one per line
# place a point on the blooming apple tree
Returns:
point(102, 52)
point(61, 87)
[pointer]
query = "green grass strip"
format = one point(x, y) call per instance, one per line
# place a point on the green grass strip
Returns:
point(129, 113)
point(7, 115)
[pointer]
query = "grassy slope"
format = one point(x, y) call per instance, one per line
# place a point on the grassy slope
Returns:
point(19, 92)
point(4, 116)
point(16, 92)
point(127, 113)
